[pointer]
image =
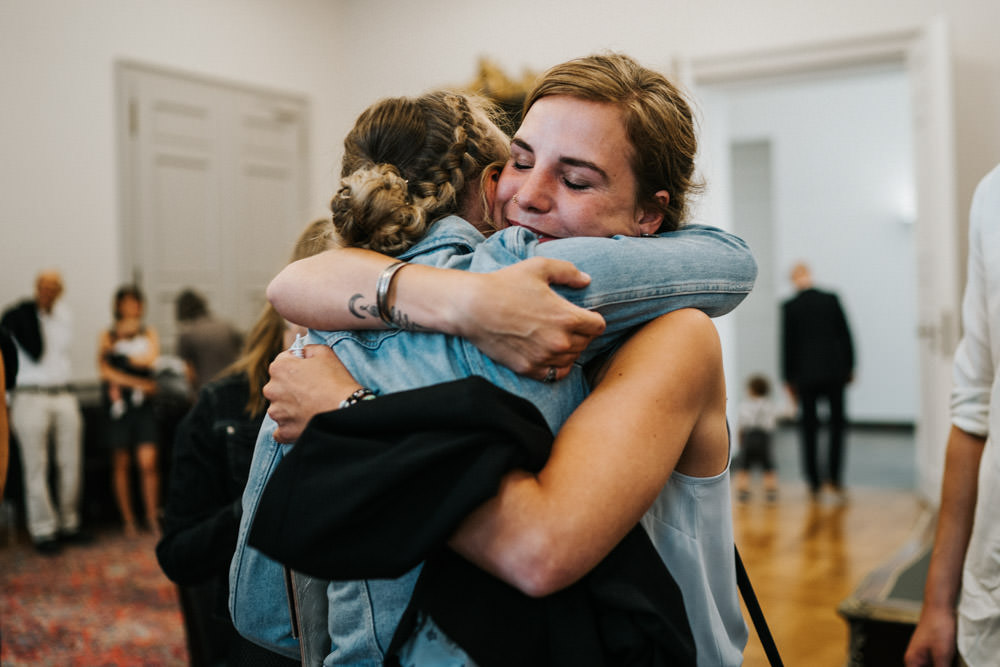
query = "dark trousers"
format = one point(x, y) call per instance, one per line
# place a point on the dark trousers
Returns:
point(809, 396)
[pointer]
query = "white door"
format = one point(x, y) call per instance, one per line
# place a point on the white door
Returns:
point(213, 191)
point(925, 55)
point(938, 268)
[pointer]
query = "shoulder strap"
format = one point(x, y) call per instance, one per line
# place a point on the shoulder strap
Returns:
point(756, 613)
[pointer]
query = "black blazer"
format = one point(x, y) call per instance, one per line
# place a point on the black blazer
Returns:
point(22, 323)
point(373, 490)
point(816, 340)
point(10, 363)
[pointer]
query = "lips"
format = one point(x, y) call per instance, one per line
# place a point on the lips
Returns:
point(542, 237)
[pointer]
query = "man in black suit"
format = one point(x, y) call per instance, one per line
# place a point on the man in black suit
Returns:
point(817, 363)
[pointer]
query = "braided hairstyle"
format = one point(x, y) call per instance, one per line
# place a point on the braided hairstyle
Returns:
point(410, 161)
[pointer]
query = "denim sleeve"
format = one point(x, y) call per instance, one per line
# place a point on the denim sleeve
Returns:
point(636, 279)
point(258, 601)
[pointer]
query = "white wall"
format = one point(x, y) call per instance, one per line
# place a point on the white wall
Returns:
point(58, 173)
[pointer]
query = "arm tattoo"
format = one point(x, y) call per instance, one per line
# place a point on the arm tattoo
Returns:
point(398, 317)
point(360, 310)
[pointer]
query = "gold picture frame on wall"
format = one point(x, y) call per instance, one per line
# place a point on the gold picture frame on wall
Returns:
point(505, 91)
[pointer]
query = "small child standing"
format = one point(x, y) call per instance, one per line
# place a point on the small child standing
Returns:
point(756, 425)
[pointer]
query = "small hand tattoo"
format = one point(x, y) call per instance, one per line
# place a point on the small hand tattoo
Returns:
point(398, 317)
point(360, 311)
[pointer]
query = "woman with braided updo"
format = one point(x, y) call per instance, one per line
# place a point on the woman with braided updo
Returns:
point(410, 161)
point(657, 412)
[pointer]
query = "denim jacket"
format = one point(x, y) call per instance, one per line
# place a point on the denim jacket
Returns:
point(633, 280)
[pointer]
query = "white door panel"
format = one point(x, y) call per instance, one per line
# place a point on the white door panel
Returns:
point(213, 190)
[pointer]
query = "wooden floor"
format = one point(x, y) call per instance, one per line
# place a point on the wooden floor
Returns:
point(804, 558)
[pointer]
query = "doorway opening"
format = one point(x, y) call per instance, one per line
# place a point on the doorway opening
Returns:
point(920, 58)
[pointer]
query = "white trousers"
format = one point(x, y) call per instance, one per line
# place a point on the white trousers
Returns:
point(33, 416)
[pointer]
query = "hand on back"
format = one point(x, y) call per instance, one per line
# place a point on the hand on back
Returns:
point(515, 318)
point(301, 388)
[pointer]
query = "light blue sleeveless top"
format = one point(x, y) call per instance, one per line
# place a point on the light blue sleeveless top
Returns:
point(691, 525)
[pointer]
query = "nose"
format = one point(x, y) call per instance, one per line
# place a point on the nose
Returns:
point(533, 195)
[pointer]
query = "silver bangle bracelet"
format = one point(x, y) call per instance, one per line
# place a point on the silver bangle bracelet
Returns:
point(382, 291)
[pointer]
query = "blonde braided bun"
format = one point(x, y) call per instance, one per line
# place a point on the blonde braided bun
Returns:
point(410, 161)
point(373, 209)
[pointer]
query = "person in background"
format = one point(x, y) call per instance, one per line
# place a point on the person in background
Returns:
point(961, 607)
point(44, 405)
point(755, 428)
point(817, 364)
point(211, 462)
point(8, 376)
point(205, 343)
point(126, 354)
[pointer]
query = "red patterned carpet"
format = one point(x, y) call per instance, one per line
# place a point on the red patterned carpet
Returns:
point(103, 604)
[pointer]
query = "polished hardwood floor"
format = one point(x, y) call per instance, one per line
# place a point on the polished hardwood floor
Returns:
point(804, 558)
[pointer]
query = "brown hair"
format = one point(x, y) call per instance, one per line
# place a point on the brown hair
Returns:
point(408, 162)
point(658, 121)
point(126, 292)
point(758, 385)
point(267, 337)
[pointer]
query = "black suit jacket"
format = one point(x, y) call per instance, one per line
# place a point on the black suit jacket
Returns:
point(9, 351)
point(22, 323)
point(373, 490)
point(816, 340)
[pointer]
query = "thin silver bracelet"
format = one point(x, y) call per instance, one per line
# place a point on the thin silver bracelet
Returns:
point(382, 291)
point(363, 394)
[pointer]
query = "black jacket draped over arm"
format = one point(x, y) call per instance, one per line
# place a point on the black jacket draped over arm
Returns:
point(373, 490)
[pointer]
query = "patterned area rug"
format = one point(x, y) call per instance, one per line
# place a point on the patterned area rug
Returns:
point(102, 604)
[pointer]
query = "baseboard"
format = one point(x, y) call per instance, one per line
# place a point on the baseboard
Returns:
point(881, 426)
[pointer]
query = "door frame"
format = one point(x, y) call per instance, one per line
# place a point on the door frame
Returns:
point(925, 56)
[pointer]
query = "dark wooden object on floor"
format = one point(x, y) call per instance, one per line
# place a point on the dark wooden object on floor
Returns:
point(883, 610)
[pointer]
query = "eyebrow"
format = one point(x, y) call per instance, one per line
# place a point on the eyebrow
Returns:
point(570, 161)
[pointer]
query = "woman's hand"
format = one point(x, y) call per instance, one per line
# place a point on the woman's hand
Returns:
point(516, 319)
point(301, 388)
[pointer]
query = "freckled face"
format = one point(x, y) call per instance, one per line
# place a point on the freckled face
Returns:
point(570, 172)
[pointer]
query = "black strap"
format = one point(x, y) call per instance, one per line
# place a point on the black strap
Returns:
point(756, 614)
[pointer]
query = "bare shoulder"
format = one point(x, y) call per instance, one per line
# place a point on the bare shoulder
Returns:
point(676, 357)
point(690, 361)
point(687, 337)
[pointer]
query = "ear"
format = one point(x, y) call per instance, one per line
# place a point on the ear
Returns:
point(489, 183)
point(650, 219)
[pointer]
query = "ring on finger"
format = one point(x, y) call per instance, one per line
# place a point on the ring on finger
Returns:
point(550, 375)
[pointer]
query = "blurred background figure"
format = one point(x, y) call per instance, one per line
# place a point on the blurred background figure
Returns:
point(211, 463)
point(755, 429)
point(44, 407)
point(126, 355)
point(8, 375)
point(205, 343)
point(817, 355)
